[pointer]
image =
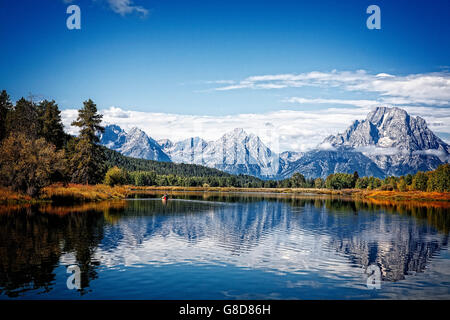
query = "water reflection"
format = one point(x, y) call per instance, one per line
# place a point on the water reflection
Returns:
point(33, 238)
point(282, 234)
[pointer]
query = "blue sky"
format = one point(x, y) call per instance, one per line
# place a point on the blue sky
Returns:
point(222, 59)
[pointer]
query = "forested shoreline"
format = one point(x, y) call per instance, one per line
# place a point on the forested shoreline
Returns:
point(35, 153)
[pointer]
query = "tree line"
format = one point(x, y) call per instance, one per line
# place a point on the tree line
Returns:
point(437, 180)
point(36, 152)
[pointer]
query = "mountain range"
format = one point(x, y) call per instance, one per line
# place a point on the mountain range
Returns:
point(388, 142)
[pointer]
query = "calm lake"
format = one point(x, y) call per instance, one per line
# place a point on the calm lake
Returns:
point(226, 246)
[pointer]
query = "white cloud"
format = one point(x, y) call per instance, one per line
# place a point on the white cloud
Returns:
point(438, 119)
point(124, 7)
point(377, 151)
point(384, 75)
point(325, 146)
point(358, 103)
point(427, 88)
point(434, 152)
point(430, 88)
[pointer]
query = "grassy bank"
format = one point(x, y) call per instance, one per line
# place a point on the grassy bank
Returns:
point(86, 193)
point(8, 196)
point(357, 193)
point(81, 192)
point(404, 196)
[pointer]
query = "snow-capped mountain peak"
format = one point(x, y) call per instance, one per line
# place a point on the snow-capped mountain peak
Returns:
point(136, 143)
point(235, 152)
point(395, 141)
point(186, 151)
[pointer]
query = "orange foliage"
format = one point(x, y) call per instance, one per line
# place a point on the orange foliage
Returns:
point(406, 195)
point(103, 206)
point(7, 195)
point(82, 192)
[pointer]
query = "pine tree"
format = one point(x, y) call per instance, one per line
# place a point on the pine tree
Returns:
point(355, 178)
point(5, 107)
point(298, 180)
point(51, 127)
point(420, 181)
point(87, 162)
point(23, 119)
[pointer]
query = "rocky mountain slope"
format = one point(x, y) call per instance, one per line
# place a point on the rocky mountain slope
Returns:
point(395, 141)
point(135, 143)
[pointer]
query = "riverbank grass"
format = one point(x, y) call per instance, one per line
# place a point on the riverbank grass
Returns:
point(8, 196)
point(82, 192)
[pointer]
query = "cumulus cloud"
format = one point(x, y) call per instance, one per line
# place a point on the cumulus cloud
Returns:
point(426, 88)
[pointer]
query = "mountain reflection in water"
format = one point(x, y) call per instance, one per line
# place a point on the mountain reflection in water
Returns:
point(305, 244)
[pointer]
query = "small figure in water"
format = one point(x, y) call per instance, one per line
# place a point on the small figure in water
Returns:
point(165, 197)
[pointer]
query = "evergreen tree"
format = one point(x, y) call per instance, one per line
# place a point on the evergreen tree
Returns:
point(339, 181)
point(362, 183)
point(5, 107)
point(298, 180)
point(51, 127)
point(355, 178)
point(420, 181)
point(23, 119)
point(439, 179)
point(87, 162)
point(408, 178)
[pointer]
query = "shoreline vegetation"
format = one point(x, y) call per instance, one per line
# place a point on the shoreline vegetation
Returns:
point(73, 193)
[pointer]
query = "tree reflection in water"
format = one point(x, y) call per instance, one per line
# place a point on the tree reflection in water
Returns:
point(399, 237)
point(32, 239)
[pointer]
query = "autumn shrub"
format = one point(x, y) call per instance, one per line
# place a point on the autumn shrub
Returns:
point(28, 164)
point(116, 176)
